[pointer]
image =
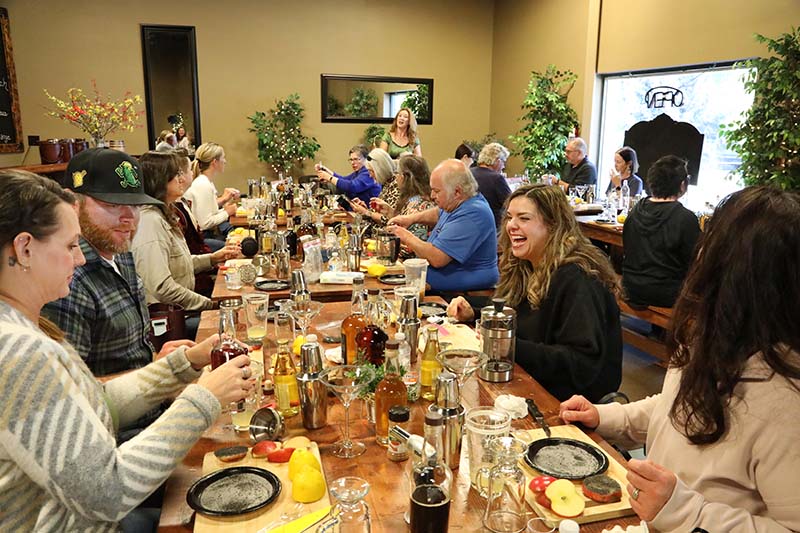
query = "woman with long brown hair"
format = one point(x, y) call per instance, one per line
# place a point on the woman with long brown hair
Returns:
point(402, 135)
point(563, 289)
point(722, 435)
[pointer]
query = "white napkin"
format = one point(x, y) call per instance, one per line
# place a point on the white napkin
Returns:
point(334, 355)
point(513, 405)
point(641, 528)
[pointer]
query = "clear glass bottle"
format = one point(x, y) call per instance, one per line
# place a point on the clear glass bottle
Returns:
point(353, 324)
point(624, 197)
point(283, 375)
point(371, 340)
point(335, 263)
point(291, 237)
point(226, 348)
point(390, 392)
point(430, 367)
point(430, 482)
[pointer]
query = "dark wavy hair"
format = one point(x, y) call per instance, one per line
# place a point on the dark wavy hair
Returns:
point(739, 299)
point(465, 149)
point(158, 169)
point(665, 176)
point(628, 155)
point(416, 179)
point(566, 244)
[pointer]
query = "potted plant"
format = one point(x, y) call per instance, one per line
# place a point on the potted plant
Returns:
point(368, 393)
point(417, 101)
point(767, 138)
point(373, 135)
point(96, 115)
point(363, 104)
point(281, 142)
point(548, 120)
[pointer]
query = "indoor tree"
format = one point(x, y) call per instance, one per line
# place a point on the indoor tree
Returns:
point(373, 135)
point(767, 138)
point(364, 103)
point(281, 142)
point(548, 121)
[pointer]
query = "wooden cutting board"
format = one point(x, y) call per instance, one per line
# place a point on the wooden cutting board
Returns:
point(594, 511)
point(255, 521)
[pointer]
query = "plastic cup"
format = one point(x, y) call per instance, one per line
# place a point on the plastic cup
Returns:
point(256, 311)
point(416, 273)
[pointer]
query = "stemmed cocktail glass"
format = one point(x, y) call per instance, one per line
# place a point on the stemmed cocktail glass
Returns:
point(581, 190)
point(461, 362)
point(347, 382)
point(350, 512)
point(303, 312)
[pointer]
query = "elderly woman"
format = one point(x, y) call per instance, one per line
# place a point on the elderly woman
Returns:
point(492, 182)
point(162, 256)
point(61, 467)
point(722, 435)
point(626, 165)
point(563, 289)
point(402, 135)
point(359, 183)
point(382, 169)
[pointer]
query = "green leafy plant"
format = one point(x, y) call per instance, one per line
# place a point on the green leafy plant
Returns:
point(478, 144)
point(373, 135)
point(369, 390)
point(363, 104)
point(548, 121)
point(418, 101)
point(281, 142)
point(767, 138)
point(335, 107)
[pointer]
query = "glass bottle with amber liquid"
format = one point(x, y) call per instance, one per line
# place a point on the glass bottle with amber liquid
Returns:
point(284, 376)
point(226, 348)
point(390, 391)
point(429, 366)
point(291, 237)
point(371, 341)
point(353, 324)
point(305, 228)
point(288, 199)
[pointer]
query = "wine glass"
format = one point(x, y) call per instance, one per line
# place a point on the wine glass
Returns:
point(347, 382)
point(581, 190)
point(461, 362)
point(304, 312)
point(350, 512)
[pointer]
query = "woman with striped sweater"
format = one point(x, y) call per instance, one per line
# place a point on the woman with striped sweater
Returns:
point(60, 467)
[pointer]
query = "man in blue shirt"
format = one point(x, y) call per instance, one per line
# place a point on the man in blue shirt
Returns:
point(358, 184)
point(462, 248)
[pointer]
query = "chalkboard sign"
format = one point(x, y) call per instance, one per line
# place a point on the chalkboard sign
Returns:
point(10, 128)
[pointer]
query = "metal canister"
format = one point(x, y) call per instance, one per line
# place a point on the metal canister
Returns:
point(313, 393)
point(447, 402)
point(498, 331)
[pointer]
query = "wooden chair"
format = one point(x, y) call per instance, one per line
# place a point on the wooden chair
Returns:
point(658, 316)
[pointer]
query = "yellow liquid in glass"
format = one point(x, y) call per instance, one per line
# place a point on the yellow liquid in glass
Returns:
point(256, 332)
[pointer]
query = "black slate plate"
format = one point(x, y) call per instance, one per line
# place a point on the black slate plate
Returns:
point(565, 458)
point(272, 285)
point(393, 279)
point(233, 491)
point(432, 309)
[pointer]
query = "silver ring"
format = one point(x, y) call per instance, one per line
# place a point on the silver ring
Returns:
point(635, 494)
point(246, 373)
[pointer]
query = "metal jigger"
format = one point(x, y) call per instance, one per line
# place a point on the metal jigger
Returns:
point(447, 401)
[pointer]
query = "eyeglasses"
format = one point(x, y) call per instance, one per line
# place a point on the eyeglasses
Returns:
point(570, 150)
point(355, 160)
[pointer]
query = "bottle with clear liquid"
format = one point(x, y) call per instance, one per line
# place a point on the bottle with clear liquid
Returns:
point(403, 350)
point(353, 324)
point(430, 481)
point(284, 376)
point(390, 391)
point(624, 197)
point(371, 340)
point(430, 367)
point(335, 263)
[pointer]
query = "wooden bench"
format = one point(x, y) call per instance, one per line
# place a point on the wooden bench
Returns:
point(659, 316)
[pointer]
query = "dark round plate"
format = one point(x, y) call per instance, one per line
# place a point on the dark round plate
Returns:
point(234, 491)
point(565, 458)
point(393, 279)
point(272, 285)
point(432, 309)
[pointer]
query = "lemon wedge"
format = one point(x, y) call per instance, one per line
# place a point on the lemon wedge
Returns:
point(376, 270)
point(298, 342)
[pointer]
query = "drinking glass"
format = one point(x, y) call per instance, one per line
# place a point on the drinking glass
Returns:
point(256, 312)
point(304, 312)
point(347, 382)
point(232, 280)
point(461, 362)
point(581, 189)
point(350, 513)
point(416, 272)
point(539, 525)
point(481, 426)
point(506, 508)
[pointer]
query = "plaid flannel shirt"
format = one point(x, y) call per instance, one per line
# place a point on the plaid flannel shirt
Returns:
point(105, 316)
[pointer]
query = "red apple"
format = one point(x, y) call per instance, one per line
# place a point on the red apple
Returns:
point(280, 456)
point(565, 500)
point(264, 448)
point(543, 500)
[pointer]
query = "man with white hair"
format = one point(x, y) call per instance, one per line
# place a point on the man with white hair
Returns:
point(492, 183)
point(462, 248)
point(578, 170)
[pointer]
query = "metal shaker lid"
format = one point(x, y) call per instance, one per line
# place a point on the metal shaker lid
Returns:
point(408, 306)
point(298, 280)
point(498, 315)
point(447, 394)
point(310, 358)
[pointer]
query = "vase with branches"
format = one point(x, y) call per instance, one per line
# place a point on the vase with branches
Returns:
point(281, 142)
point(548, 120)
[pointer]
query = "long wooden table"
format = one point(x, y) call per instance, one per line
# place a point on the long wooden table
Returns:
point(608, 233)
point(386, 499)
point(327, 219)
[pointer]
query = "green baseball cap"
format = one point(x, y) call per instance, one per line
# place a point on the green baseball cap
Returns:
point(107, 175)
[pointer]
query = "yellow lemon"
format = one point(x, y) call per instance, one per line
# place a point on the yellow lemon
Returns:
point(308, 485)
point(302, 458)
point(578, 201)
point(371, 246)
point(376, 270)
point(281, 212)
point(298, 342)
point(621, 218)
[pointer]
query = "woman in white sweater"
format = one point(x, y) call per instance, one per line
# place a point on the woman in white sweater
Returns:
point(722, 436)
point(60, 467)
point(211, 212)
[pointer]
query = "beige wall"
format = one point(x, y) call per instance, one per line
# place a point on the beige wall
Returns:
point(251, 52)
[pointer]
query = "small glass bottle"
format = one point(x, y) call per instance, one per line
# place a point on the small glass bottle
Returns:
point(430, 367)
point(371, 341)
point(335, 263)
point(390, 392)
point(226, 348)
point(284, 376)
point(398, 417)
point(430, 482)
point(353, 324)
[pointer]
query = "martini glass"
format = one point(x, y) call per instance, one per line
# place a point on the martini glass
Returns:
point(581, 190)
point(350, 512)
point(347, 381)
point(304, 312)
point(461, 362)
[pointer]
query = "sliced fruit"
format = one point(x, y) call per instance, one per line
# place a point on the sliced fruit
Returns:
point(281, 212)
point(231, 453)
point(302, 458)
point(297, 442)
point(299, 341)
point(540, 483)
point(264, 448)
point(622, 218)
point(543, 500)
point(280, 456)
point(376, 270)
point(602, 488)
point(308, 485)
point(565, 500)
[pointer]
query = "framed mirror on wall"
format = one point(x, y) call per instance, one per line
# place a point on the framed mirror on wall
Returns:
point(374, 99)
point(170, 81)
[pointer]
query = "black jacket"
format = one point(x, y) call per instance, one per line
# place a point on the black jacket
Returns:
point(583, 174)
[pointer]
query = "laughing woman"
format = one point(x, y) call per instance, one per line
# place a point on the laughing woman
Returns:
point(563, 289)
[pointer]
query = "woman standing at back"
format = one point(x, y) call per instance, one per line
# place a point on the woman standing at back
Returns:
point(402, 135)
